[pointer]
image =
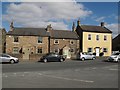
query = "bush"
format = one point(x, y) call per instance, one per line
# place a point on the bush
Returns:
point(101, 54)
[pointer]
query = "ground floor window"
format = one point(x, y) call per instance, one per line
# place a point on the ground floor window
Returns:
point(39, 50)
point(89, 50)
point(15, 50)
point(105, 50)
point(56, 50)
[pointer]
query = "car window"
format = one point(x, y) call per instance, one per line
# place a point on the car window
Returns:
point(116, 54)
point(5, 55)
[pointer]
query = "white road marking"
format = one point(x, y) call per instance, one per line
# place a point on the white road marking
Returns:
point(51, 76)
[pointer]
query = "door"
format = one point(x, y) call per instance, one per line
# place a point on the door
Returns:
point(26, 53)
point(97, 51)
point(66, 52)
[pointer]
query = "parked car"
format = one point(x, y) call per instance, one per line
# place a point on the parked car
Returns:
point(8, 58)
point(85, 56)
point(52, 57)
point(114, 57)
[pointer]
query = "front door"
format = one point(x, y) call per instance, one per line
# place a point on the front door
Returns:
point(26, 53)
point(66, 52)
point(97, 51)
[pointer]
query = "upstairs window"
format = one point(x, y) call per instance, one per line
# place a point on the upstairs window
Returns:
point(97, 37)
point(89, 36)
point(105, 37)
point(71, 42)
point(16, 39)
point(56, 41)
point(40, 39)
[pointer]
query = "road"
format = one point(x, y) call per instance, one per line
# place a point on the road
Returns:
point(68, 74)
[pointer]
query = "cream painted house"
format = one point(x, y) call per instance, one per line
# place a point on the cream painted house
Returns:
point(95, 39)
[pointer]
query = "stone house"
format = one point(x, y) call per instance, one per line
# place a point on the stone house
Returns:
point(95, 39)
point(32, 43)
point(2, 40)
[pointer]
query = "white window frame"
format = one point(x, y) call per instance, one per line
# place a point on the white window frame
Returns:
point(97, 37)
point(38, 40)
point(89, 37)
point(16, 51)
point(106, 50)
point(71, 42)
point(55, 41)
point(90, 48)
point(105, 36)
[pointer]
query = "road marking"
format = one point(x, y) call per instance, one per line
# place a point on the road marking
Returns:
point(51, 76)
point(113, 69)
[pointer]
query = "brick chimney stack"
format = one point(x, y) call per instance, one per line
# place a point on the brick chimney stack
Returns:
point(102, 24)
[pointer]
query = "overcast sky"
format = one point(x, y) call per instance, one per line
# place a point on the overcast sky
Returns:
point(60, 14)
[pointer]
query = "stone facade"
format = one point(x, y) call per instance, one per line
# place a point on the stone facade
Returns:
point(2, 40)
point(26, 45)
point(69, 47)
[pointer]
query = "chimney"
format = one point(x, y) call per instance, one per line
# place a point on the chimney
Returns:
point(49, 27)
point(102, 24)
point(11, 26)
point(78, 22)
point(73, 27)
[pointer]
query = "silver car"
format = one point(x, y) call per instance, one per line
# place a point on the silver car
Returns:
point(114, 57)
point(85, 55)
point(8, 58)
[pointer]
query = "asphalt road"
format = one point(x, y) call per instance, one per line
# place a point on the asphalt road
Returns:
point(68, 74)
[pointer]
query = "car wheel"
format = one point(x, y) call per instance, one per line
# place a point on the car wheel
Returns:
point(45, 60)
point(83, 59)
point(12, 61)
point(93, 58)
point(61, 60)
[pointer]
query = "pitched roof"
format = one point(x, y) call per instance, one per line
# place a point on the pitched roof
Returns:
point(88, 28)
point(63, 34)
point(29, 32)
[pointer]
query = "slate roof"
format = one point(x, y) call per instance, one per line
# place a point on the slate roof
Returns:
point(99, 29)
point(63, 34)
point(29, 32)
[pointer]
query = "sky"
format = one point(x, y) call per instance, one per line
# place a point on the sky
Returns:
point(60, 15)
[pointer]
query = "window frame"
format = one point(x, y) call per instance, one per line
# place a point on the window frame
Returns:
point(16, 39)
point(55, 41)
point(40, 40)
point(97, 38)
point(40, 50)
point(88, 49)
point(105, 51)
point(89, 37)
point(16, 51)
point(105, 37)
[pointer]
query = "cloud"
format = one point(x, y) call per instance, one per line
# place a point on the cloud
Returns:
point(114, 28)
point(40, 14)
point(100, 19)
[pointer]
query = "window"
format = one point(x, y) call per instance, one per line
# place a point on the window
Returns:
point(56, 50)
point(15, 50)
point(105, 50)
point(39, 50)
point(97, 37)
point(56, 41)
point(89, 49)
point(71, 50)
point(15, 38)
point(105, 37)
point(40, 39)
point(89, 36)
point(71, 42)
